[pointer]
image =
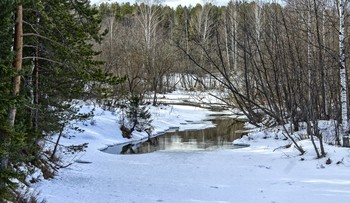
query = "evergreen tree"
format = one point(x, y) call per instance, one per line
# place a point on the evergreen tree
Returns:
point(135, 117)
point(65, 71)
point(12, 138)
point(5, 88)
point(58, 69)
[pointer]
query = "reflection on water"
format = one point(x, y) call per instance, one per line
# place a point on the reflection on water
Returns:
point(218, 137)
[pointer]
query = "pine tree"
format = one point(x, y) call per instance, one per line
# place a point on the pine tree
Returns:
point(11, 138)
point(136, 117)
point(5, 86)
point(65, 70)
point(58, 69)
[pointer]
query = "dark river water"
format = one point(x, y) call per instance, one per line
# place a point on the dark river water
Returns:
point(219, 137)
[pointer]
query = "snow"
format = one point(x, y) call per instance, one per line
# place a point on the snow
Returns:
point(195, 97)
point(262, 172)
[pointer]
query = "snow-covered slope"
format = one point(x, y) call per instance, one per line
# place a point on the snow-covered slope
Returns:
point(259, 173)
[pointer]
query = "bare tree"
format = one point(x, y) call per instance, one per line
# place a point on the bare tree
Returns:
point(149, 18)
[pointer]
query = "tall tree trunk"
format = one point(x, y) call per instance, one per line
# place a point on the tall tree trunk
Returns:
point(309, 61)
point(257, 19)
point(35, 76)
point(325, 82)
point(227, 42)
point(235, 38)
point(343, 99)
point(322, 39)
point(17, 64)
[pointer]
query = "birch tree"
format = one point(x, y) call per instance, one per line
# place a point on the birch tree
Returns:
point(150, 18)
point(231, 23)
point(343, 82)
point(111, 25)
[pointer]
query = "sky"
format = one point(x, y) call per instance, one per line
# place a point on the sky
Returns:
point(171, 3)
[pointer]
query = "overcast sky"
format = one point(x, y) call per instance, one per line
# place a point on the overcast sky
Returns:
point(172, 3)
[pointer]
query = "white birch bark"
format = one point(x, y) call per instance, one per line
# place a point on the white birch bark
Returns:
point(227, 42)
point(257, 19)
point(309, 53)
point(343, 99)
point(201, 23)
point(232, 33)
point(235, 25)
point(149, 21)
point(324, 54)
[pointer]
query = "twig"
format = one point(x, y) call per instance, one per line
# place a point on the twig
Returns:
point(283, 147)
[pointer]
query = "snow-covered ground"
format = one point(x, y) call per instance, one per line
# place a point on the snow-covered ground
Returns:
point(259, 173)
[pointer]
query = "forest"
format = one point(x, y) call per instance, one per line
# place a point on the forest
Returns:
point(286, 62)
point(278, 63)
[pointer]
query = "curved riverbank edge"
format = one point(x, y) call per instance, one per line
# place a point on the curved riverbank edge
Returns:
point(214, 117)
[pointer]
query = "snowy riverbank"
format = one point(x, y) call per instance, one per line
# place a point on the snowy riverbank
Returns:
point(259, 173)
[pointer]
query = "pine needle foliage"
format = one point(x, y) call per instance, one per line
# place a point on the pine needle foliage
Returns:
point(58, 70)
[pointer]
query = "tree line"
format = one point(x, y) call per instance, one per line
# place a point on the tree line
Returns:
point(284, 61)
point(280, 64)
